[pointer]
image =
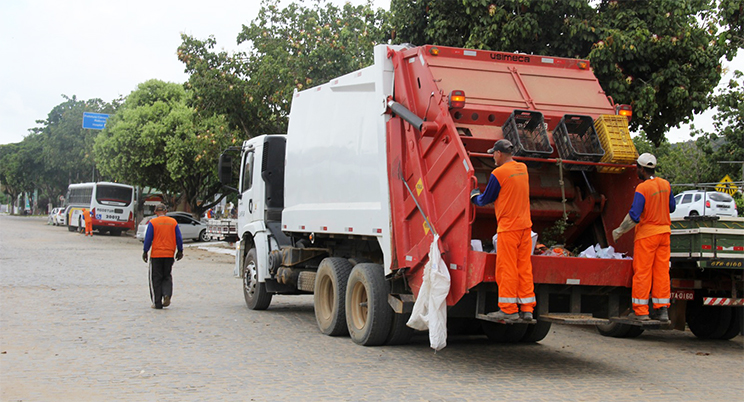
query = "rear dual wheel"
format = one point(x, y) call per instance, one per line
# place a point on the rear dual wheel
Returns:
point(619, 330)
point(368, 314)
point(329, 295)
point(512, 333)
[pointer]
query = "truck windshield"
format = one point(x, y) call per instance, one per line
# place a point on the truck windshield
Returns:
point(113, 195)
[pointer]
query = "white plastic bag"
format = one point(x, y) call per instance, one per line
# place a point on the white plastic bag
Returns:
point(430, 309)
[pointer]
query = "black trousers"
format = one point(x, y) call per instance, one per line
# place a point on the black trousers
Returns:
point(161, 282)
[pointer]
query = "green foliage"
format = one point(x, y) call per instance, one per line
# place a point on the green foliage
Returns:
point(727, 141)
point(292, 48)
point(557, 28)
point(156, 140)
point(54, 154)
point(219, 82)
point(660, 56)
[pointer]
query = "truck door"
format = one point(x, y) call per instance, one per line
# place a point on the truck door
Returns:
point(250, 205)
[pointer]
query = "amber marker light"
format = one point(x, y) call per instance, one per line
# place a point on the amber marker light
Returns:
point(457, 99)
point(624, 110)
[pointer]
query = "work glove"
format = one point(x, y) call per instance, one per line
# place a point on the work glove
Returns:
point(144, 256)
point(625, 227)
point(474, 193)
point(179, 255)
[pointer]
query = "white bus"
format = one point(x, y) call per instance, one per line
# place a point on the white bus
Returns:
point(112, 205)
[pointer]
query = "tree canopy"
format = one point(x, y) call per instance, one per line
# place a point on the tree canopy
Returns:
point(292, 48)
point(57, 152)
point(157, 140)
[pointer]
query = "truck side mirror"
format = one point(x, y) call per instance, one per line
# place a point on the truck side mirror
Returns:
point(224, 169)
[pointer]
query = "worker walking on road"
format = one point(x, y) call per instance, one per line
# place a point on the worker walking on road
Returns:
point(652, 204)
point(509, 187)
point(88, 222)
point(164, 236)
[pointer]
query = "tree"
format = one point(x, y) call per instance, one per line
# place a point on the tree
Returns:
point(292, 48)
point(11, 175)
point(663, 57)
point(157, 140)
point(66, 149)
point(726, 143)
point(219, 82)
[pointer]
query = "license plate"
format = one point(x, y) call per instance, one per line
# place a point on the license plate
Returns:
point(683, 294)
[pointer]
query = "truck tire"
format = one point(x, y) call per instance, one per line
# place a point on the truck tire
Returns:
point(735, 326)
point(614, 329)
point(707, 322)
point(504, 333)
point(634, 332)
point(329, 296)
point(254, 292)
point(400, 333)
point(368, 314)
point(537, 332)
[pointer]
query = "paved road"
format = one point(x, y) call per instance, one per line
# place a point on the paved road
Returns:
point(76, 325)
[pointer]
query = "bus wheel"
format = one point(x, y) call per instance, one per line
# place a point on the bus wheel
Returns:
point(368, 314)
point(329, 296)
point(254, 292)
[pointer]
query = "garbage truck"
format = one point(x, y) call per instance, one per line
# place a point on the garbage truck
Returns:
point(378, 164)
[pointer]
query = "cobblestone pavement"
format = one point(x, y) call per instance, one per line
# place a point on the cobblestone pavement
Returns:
point(76, 325)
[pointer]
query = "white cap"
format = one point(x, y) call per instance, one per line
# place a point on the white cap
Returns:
point(647, 160)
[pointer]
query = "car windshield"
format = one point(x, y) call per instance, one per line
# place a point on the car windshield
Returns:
point(113, 195)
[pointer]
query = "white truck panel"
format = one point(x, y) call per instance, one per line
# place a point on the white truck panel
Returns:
point(336, 166)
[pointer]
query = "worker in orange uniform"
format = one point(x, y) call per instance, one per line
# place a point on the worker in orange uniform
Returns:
point(649, 214)
point(164, 236)
point(509, 187)
point(88, 222)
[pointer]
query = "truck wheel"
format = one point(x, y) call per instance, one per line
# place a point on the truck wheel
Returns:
point(707, 322)
point(634, 332)
point(329, 296)
point(504, 333)
point(537, 332)
point(368, 315)
point(400, 333)
point(614, 329)
point(70, 228)
point(256, 296)
point(735, 326)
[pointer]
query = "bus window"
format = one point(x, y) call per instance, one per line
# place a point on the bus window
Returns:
point(113, 195)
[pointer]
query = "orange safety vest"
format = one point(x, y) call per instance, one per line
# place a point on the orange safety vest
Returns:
point(163, 237)
point(655, 217)
point(513, 204)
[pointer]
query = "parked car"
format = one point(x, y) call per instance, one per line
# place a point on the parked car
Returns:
point(61, 217)
point(52, 218)
point(191, 229)
point(706, 203)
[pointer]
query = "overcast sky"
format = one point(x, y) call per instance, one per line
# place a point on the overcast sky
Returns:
point(103, 49)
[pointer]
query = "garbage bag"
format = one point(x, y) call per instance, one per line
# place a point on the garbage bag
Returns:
point(430, 309)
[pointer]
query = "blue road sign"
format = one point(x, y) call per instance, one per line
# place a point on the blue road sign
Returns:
point(94, 121)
